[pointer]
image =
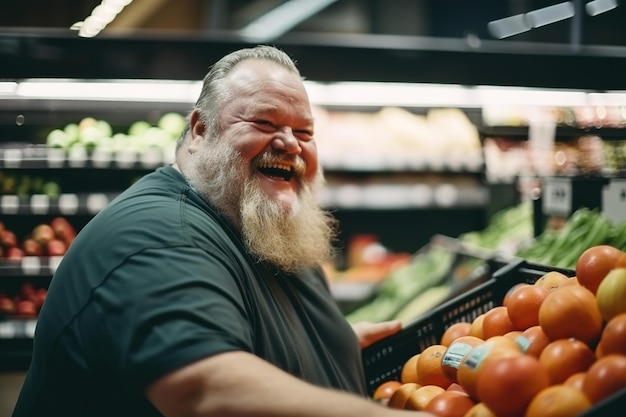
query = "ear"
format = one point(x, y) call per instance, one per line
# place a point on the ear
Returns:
point(197, 130)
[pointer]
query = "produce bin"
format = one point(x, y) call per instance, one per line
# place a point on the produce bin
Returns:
point(383, 360)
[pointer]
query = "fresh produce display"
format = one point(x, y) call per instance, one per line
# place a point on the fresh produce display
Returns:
point(562, 247)
point(26, 302)
point(507, 230)
point(26, 184)
point(427, 269)
point(555, 346)
point(428, 277)
point(91, 133)
point(45, 239)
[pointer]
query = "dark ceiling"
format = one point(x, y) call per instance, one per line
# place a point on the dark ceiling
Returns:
point(432, 18)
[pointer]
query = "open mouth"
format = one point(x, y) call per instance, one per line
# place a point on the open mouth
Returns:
point(277, 171)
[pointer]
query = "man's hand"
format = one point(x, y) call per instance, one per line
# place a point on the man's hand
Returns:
point(368, 332)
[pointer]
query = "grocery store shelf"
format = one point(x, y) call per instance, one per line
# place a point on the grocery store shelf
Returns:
point(404, 196)
point(17, 328)
point(30, 266)
point(561, 132)
point(29, 157)
point(64, 204)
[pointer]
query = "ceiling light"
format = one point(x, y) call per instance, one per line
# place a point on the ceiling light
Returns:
point(508, 26)
point(100, 17)
point(597, 7)
point(282, 18)
point(550, 14)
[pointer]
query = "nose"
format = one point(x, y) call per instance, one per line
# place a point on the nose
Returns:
point(286, 142)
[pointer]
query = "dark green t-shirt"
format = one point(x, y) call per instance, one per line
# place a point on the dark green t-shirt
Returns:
point(158, 280)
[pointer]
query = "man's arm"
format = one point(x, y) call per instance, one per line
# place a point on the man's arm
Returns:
point(241, 384)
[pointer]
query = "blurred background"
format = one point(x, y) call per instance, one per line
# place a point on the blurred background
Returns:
point(434, 117)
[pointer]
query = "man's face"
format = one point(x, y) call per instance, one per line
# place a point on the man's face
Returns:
point(268, 121)
point(262, 171)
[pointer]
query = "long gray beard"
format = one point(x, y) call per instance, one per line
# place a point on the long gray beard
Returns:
point(290, 239)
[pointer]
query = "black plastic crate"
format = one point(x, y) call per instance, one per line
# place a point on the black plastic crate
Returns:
point(383, 360)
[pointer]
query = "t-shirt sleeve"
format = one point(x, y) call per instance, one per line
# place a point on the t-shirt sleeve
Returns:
point(163, 309)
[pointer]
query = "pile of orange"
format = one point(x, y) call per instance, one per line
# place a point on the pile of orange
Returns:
point(554, 348)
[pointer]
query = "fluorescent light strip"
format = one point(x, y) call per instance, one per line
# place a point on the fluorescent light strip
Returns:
point(8, 87)
point(611, 98)
point(171, 91)
point(282, 18)
point(597, 7)
point(346, 94)
point(390, 94)
point(530, 97)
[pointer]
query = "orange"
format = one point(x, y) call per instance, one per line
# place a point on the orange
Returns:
point(571, 281)
point(605, 377)
point(599, 351)
point(564, 357)
point(419, 399)
point(384, 391)
point(576, 380)
point(533, 340)
point(497, 322)
point(455, 387)
point(514, 334)
point(558, 401)
point(571, 311)
point(429, 370)
point(479, 410)
point(621, 261)
point(408, 373)
point(613, 338)
point(594, 263)
point(507, 384)
point(611, 294)
point(476, 329)
point(400, 396)
point(511, 291)
point(455, 353)
point(523, 305)
point(455, 331)
point(551, 280)
point(449, 404)
point(473, 362)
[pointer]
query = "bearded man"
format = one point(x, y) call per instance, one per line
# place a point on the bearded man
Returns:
point(198, 291)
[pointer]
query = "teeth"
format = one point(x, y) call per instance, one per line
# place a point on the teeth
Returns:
point(278, 166)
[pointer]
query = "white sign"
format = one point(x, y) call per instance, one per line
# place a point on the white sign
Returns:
point(614, 200)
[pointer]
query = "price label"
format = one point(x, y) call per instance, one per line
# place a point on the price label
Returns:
point(152, 157)
point(349, 196)
point(10, 204)
point(557, 196)
point(29, 328)
point(77, 157)
point(13, 158)
point(31, 265)
point(446, 195)
point(7, 330)
point(39, 204)
point(421, 195)
point(125, 158)
point(96, 202)
point(53, 263)
point(614, 200)
point(101, 158)
point(55, 157)
point(68, 204)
